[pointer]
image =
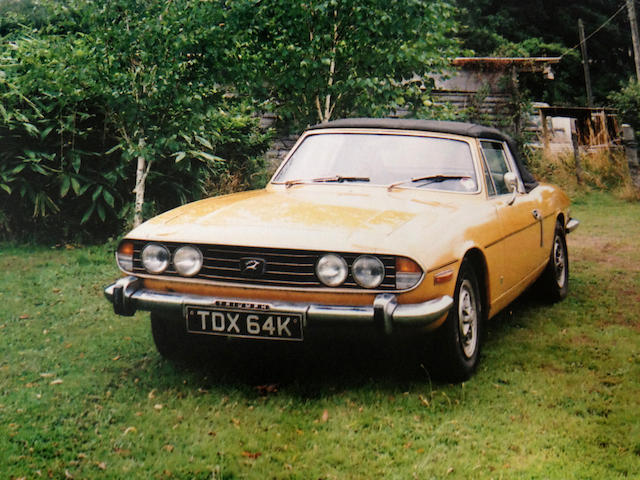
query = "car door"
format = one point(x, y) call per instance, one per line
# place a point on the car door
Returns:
point(520, 219)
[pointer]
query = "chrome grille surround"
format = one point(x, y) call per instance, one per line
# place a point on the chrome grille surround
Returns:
point(283, 267)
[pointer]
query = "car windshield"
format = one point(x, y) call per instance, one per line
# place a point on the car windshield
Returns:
point(393, 160)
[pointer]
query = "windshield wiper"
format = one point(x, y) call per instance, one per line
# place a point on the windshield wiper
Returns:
point(335, 178)
point(430, 179)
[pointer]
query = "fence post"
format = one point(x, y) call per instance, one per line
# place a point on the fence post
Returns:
point(630, 145)
point(576, 151)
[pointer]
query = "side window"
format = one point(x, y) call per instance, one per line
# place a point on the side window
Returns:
point(491, 189)
point(498, 164)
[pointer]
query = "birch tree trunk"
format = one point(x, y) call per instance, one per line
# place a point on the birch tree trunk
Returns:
point(141, 176)
point(325, 115)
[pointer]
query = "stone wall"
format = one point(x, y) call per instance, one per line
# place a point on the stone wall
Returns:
point(279, 149)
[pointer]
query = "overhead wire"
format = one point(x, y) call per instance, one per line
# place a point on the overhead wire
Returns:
point(624, 5)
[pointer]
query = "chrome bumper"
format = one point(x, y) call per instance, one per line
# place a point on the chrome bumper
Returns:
point(128, 296)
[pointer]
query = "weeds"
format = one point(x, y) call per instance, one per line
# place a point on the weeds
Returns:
point(602, 169)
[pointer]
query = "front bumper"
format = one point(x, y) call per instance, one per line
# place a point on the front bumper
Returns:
point(128, 296)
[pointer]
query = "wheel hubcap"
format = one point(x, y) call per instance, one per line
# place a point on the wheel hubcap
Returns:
point(559, 261)
point(467, 319)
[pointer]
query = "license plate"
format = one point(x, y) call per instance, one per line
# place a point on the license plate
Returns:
point(235, 322)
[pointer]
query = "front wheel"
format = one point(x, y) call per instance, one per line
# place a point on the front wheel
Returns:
point(458, 341)
point(169, 336)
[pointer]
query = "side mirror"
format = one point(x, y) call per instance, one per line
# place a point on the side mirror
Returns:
point(511, 181)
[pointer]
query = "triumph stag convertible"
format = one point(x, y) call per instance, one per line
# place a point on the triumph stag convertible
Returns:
point(377, 225)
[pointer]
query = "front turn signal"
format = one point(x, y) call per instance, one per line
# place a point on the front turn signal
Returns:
point(408, 273)
point(124, 255)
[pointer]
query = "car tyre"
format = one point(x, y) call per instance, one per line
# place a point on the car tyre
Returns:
point(169, 335)
point(554, 281)
point(458, 341)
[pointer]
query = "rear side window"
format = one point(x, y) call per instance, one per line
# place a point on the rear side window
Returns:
point(498, 165)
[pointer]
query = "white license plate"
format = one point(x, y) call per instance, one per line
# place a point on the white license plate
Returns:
point(247, 323)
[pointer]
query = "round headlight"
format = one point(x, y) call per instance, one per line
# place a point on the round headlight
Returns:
point(155, 258)
point(332, 270)
point(368, 271)
point(187, 260)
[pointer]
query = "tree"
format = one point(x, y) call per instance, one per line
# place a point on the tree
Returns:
point(92, 96)
point(162, 103)
point(320, 59)
point(627, 101)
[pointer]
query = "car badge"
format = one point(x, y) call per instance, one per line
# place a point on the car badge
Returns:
point(252, 267)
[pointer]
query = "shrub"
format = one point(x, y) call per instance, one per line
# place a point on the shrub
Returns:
point(86, 90)
point(627, 101)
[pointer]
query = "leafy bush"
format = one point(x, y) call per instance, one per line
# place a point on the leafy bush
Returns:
point(88, 91)
point(627, 101)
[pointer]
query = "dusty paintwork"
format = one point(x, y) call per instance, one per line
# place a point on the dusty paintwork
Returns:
point(433, 228)
point(470, 244)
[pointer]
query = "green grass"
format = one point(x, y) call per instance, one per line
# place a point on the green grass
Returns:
point(83, 393)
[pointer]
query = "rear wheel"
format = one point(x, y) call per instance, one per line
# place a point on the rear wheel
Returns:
point(554, 282)
point(458, 341)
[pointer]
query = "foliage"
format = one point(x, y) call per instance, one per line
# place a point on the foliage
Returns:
point(627, 101)
point(313, 61)
point(83, 393)
point(539, 27)
point(16, 13)
point(53, 157)
point(94, 89)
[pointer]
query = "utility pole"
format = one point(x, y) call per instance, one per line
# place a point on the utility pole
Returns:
point(585, 63)
point(631, 10)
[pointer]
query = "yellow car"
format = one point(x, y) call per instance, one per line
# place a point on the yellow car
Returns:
point(380, 225)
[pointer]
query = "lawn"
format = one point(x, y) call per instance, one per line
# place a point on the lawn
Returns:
point(83, 394)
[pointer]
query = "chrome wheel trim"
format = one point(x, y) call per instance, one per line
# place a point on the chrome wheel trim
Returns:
point(559, 261)
point(467, 319)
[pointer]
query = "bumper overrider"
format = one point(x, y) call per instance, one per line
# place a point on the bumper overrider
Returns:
point(128, 295)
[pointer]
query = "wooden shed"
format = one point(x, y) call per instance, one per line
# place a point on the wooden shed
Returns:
point(489, 85)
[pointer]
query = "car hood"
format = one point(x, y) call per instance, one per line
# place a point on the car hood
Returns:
point(323, 217)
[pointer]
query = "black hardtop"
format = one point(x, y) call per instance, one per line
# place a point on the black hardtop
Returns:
point(438, 126)
point(454, 128)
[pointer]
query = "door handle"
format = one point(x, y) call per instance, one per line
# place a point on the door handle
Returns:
point(538, 216)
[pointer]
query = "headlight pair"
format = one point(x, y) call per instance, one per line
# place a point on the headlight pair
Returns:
point(156, 259)
point(367, 271)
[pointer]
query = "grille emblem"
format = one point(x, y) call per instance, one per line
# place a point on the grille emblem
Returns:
point(252, 267)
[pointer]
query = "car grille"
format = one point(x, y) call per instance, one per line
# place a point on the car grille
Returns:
point(283, 268)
